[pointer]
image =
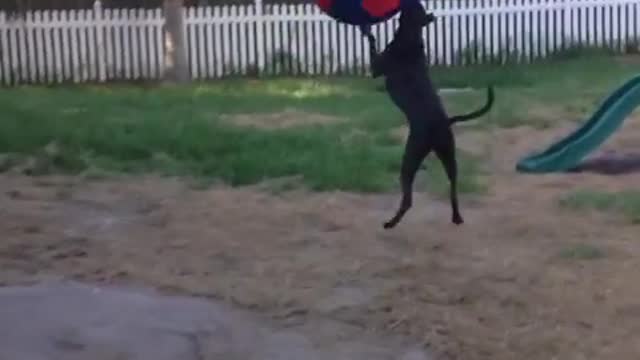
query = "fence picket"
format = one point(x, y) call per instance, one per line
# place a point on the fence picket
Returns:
point(323, 56)
point(512, 27)
point(192, 46)
point(134, 44)
point(131, 45)
point(236, 32)
point(159, 46)
point(90, 48)
point(200, 44)
point(118, 48)
point(63, 47)
point(5, 64)
point(316, 28)
point(306, 44)
point(126, 47)
point(143, 41)
point(36, 43)
point(32, 71)
point(100, 53)
point(15, 57)
point(243, 40)
point(217, 44)
point(107, 47)
point(226, 46)
point(634, 25)
point(623, 23)
point(49, 59)
point(79, 45)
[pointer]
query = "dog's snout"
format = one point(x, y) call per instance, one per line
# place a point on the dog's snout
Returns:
point(430, 18)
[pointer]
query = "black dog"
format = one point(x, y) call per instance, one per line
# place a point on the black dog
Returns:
point(403, 63)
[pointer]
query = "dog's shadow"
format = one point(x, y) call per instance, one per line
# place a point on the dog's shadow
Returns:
point(610, 163)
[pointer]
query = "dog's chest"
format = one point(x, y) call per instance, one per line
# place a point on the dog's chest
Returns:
point(414, 94)
point(407, 86)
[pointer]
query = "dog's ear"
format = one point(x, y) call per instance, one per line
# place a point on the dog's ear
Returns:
point(422, 16)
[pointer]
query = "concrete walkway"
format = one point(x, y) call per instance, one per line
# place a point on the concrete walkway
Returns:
point(71, 321)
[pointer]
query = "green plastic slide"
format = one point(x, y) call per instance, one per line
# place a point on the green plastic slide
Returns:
point(567, 153)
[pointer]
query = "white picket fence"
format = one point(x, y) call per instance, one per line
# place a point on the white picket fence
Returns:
point(107, 44)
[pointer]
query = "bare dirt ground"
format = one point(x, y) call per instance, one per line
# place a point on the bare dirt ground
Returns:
point(279, 120)
point(496, 288)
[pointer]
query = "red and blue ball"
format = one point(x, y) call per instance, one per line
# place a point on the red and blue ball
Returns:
point(360, 12)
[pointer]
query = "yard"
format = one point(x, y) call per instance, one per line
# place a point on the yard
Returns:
point(270, 194)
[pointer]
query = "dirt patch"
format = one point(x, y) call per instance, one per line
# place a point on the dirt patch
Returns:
point(631, 59)
point(496, 288)
point(400, 133)
point(471, 142)
point(279, 120)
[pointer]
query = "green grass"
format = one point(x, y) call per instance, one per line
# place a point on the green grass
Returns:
point(179, 131)
point(582, 252)
point(541, 94)
point(626, 203)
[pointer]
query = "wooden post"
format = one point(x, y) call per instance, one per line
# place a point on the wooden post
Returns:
point(259, 11)
point(98, 15)
point(175, 50)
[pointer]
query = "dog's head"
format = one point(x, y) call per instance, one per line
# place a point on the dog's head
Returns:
point(414, 16)
point(408, 42)
point(408, 38)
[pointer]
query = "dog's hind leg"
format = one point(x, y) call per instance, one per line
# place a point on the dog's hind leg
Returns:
point(446, 152)
point(414, 153)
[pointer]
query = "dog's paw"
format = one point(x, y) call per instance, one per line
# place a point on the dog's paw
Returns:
point(366, 31)
point(388, 225)
point(457, 220)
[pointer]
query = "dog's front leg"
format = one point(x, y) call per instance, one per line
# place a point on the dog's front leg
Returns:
point(377, 68)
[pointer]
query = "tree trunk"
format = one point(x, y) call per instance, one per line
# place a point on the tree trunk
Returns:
point(177, 70)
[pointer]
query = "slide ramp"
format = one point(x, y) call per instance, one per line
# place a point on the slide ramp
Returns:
point(568, 152)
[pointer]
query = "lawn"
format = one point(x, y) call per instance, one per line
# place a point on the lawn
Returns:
point(180, 131)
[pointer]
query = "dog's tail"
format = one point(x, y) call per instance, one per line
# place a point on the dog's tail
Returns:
point(472, 115)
